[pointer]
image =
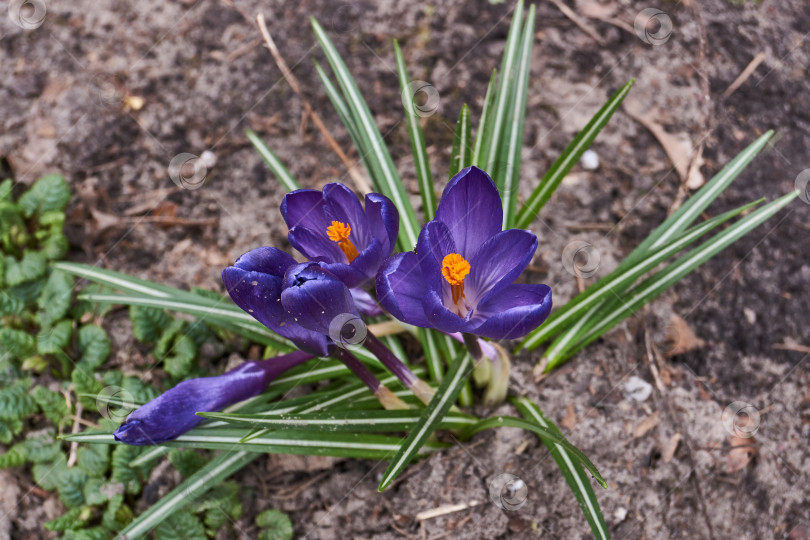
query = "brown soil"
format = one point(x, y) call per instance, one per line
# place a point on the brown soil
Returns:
point(204, 77)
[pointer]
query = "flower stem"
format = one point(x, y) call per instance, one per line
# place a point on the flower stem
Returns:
point(386, 397)
point(416, 385)
point(473, 346)
point(273, 367)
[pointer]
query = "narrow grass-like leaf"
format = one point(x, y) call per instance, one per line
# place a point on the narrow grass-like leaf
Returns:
point(513, 140)
point(500, 113)
point(211, 313)
point(375, 421)
point(462, 143)
point(431, 417)
point(273, 162)
point(420, 157)
point(149, 456)
point(340, 106)
point(484, 124)
point(199, 483)
point(353, 395)
point(569, 157)
point(307, 443)
point(433, 358)
point(610, 314)
point(697, 203)
point(572, 470)
point(383, 172)
point(116, 280)
point(621, 279)
point(543, 433)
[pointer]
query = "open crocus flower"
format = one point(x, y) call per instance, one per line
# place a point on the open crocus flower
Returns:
point(254, 283)
point(174, 412)
point(460, 279)
point(331, 227)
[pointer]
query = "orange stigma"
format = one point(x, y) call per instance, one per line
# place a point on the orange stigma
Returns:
point(454, 268)
point(339, 232)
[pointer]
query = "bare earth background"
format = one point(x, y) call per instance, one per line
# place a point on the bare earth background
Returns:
point(70, 102)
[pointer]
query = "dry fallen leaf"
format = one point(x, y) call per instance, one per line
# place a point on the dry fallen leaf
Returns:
point(671, 448)
point(742, 452)
point(680, 337)
point(678, 147)
point(570, 420)
point(647, 424)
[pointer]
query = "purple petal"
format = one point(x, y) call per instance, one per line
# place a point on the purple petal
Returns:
point(400, 288)
point(315, 299)
point(435, 242)
point(173, 413)
point(365, 303)
point(513, 312)
point(439, 316)
point(471, 207)
point(259, 294)
point(316, 246)
point(383, 221)
point(347, 273)
point(368, 261)
point(305, 208)
point(268, 260)
point(498, 263)
point(344, 206)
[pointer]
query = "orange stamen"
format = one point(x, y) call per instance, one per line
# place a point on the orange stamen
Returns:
point(339, 232)
point(454, 269)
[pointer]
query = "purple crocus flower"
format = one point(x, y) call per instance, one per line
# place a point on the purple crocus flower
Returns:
point(174, 412)
point(254, 283)
point(320, 302)
point(331, 227)
point(460, 279)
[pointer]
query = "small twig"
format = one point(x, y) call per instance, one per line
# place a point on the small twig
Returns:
point(746, 73)
point(244, 49)
point(791, 347)
point(360, 182)
point(579, 21)
point(74, 445)
point(444, 510)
